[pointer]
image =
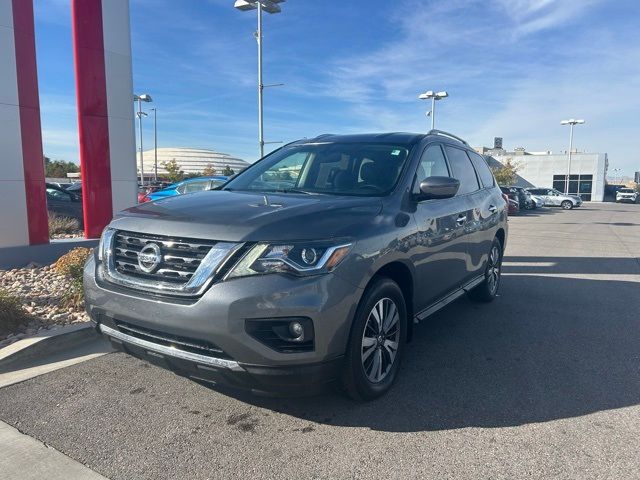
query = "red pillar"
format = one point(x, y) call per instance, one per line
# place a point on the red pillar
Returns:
point(93, 125)
point(29, 114)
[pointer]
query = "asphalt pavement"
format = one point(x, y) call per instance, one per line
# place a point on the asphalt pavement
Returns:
point(542, 383)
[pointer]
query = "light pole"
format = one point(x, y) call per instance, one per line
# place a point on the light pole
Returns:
point(155, 144)
point(141, 98)
point(433, 96)
point(571, 122)
point(269, 6)
point(615, 174)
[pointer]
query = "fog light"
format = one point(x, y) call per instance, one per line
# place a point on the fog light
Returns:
point(297, 330)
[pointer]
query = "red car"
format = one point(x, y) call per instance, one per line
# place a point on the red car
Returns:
point(512, 205)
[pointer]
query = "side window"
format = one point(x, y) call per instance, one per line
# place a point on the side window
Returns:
point(432, 164)
point(181, 188)
point(191, 187)
point(483, 170)
point(462, 170)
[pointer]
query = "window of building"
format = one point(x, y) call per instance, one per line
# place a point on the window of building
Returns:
point(463, 170)
point(578, 185)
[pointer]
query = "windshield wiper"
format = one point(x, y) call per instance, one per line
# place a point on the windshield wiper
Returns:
point(293, 190)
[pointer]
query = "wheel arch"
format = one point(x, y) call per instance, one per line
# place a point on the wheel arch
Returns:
point(400, 273)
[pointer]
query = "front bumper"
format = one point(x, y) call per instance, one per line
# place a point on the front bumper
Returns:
point(218, 317)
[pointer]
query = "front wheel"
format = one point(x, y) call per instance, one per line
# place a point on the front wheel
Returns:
point(377, 341)
point(567, 204)
point(487, 291)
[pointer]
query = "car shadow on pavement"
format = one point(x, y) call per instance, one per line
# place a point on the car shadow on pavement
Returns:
point(538, 212)
point(548, 348)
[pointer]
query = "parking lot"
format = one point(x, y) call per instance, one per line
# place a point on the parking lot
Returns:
point(542, 383)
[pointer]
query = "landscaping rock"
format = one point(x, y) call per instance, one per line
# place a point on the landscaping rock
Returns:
point(41, 291)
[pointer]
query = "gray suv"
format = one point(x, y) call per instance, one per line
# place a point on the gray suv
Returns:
point(310, 266)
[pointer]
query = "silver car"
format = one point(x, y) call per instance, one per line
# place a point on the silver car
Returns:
point(309, 266)
point(554, 198)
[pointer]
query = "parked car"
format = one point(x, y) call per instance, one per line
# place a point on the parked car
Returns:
point(190, 185)
point(525, 202)
point(537, 200)
point(267, 288)
point(554, 198)
point(148, 189)
point(512, 205)
point(63, 203)
point(627, 195)
point(510, 193)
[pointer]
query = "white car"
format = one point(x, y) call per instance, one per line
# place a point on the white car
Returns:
point(538, 200)
point(627, 195)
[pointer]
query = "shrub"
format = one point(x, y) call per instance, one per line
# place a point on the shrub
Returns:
point(12, 315)
point(60, 225)
point(71, 265)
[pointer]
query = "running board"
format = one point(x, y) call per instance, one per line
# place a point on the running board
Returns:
point(448, 299)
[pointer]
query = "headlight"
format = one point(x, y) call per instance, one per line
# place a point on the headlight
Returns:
point(298, 259)
point(105, 240)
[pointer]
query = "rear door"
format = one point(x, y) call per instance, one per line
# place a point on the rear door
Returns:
point(440, 255)
point(487, 214)
point(472, 197)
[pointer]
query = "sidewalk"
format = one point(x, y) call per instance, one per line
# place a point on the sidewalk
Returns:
point(25, 458)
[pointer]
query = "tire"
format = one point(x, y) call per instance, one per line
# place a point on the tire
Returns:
point(567, 204)
point(362, 379)
point(487, 291)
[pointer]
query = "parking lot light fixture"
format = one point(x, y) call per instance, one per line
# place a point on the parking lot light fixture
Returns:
point(269, 6)
point(145, 97)
point(571, 122)
point(433, 96)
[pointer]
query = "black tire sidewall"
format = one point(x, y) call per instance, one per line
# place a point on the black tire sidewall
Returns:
point(381, 288)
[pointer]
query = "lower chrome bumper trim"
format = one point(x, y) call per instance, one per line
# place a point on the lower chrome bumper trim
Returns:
point(171, 351)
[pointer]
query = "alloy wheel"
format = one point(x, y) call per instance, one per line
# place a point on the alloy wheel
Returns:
point(380, 340)
point(493, 270)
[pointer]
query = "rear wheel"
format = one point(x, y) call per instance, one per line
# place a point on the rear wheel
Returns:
point(567, 204)
point(487, 291)
point(377, 341)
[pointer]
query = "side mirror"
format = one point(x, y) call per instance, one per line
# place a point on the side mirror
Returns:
point(438, 187)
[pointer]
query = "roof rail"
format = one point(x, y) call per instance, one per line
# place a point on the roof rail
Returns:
point(446, 134)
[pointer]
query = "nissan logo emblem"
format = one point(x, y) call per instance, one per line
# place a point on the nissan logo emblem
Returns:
point(149, 258)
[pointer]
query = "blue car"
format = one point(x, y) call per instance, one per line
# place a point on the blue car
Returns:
point(191, 185)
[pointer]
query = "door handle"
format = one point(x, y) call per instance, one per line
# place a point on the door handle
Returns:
point(493, 208)
point(461, 219)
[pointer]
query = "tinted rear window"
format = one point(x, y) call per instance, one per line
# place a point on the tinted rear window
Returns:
point(486, 177)
point(462, 170)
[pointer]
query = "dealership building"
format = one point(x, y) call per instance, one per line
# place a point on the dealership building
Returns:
point(548, 169)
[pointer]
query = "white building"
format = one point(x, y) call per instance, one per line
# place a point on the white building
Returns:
point(190, 160)
point(546, 169)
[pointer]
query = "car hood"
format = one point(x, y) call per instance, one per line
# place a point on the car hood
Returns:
point(251, 216)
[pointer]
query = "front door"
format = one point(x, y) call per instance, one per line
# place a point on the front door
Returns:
point(440, 256)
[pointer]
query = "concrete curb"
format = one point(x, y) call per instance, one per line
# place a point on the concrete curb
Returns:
point(46, 343)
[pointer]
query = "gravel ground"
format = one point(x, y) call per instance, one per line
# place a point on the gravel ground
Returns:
point(41, 290)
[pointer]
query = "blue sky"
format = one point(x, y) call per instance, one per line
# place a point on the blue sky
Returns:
point(513, 68)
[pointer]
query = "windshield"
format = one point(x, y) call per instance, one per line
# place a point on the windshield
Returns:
point(326, 168)
point(626, 190)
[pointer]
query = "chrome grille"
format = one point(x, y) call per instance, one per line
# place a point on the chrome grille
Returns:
point(180, 257)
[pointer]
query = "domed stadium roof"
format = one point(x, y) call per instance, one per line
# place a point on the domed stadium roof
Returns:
point(190, 160)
